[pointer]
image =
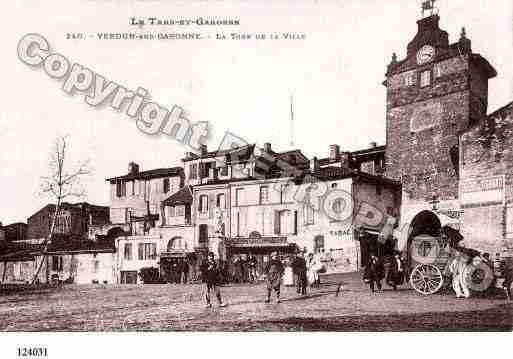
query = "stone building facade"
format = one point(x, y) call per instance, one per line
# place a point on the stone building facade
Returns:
point(450, 156)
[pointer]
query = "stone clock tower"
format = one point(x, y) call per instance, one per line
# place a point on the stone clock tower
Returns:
point(435, 93)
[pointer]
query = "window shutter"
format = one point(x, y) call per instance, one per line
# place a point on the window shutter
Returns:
point(140, 251)
point(295, 222)
point(276, 222)
point(211, 201)
point(153, 250)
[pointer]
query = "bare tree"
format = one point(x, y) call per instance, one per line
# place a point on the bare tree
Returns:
point(64, 181)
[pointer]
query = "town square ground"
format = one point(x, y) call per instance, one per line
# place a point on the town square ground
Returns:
point(171, 307)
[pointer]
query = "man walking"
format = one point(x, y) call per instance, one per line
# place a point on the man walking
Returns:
point(299, 269)
point(185, 271)
point(252, 263)
point(395, 275)
point(274, 272)
point(374, 273)
point(210, 275)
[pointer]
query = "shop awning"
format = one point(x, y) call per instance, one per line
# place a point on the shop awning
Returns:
point(174, 254)
point(261, 245)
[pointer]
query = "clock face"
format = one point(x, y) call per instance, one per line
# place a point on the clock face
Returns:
point(425, 54)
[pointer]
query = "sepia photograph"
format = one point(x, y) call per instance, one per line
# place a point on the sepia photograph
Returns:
point(248, 166)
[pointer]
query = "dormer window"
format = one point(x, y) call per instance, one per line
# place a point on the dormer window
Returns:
point(425, 78)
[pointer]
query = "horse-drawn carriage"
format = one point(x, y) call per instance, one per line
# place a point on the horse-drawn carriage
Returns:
point(429, 258)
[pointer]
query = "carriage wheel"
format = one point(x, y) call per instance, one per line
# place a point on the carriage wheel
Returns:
point(426, 279)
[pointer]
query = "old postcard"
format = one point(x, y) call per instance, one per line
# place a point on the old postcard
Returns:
point(248, 166)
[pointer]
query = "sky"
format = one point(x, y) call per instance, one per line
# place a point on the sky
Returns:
point(240, 86)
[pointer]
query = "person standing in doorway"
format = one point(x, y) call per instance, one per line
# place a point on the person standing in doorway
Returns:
point(211, 277)
point(274, 272)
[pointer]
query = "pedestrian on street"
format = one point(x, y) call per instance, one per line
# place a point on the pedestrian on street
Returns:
point(508, 277)
point(458, 270)
point(274, 272)
point(299, 268)
point(252, 264)
point(395, 275)
point(185, 271)
point(211, 277)
point(374, 272)
point(313, 268)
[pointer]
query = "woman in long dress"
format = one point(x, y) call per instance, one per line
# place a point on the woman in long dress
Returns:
point(288, 275)
point(313, 267)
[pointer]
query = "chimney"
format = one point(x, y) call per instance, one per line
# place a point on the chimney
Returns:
point(334, 152)
point(373, 144)
point(345, 160)
point(314, 165)
point(133, 168)
point(267, 147)
point(203, 150)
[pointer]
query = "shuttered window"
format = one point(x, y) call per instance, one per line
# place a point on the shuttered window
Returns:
point(128, 251)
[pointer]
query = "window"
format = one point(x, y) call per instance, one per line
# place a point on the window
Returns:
point(334, 185)
point(239, 196)
point(193, 171)
point(176, 243)
point(224, 171)
point(166, 185)
point(56, 263)
point(309, 214)
point(221, 200)
point(409, 80)
point(318, 244)
point(171, 211)
point(180, 211)
point(425, 78)
point(147, 251)
point(264, 194)
point(128, 251)
point(132, 187)
point(120, 189)
point(285, 222)
point(203, 234)
point(284, 193)
point(203, 203)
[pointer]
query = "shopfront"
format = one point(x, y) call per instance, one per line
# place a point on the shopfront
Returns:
point(239, 249)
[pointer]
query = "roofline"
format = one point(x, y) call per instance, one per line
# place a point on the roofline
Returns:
point(141, 175)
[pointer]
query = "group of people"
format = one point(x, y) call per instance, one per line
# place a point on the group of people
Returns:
point(244, 269)
point(374, 272)
point(274, 270)
point(179, 271)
